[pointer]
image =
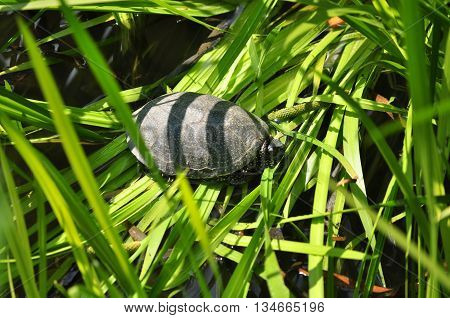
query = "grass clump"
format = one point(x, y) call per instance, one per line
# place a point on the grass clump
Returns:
point(361, 105)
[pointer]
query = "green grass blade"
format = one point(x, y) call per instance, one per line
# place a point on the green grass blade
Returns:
point(77, 158)
point(57, 201)
point(14, 228)
point(387, 154)
point(424, 138)
point(315, 264)
point(106, 80)
point(199, 226)
point(274, 278)
point(42, 239)
point(190, 7)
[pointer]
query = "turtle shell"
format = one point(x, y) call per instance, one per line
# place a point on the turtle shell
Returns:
point(208, 136)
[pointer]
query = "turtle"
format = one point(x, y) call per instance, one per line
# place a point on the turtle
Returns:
point(211, 138)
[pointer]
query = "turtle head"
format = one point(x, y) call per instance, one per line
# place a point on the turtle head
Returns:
point(273, 152)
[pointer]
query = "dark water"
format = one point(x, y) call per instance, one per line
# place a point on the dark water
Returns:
point(155, 47)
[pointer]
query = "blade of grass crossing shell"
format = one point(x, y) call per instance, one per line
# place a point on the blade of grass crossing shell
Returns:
point(105, 79)
point(79, 163)
point(14, 228)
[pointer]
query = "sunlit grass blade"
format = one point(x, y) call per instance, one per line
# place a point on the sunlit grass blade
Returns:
point(220, 230)
point(238, 284)
point(172, 9)
point(254, 14)
point(57, 201)
point(14, 228)
point(315, 264)
point(199, 227)
point(352, 152)
point(86, 24)
point(326, 148)
point(191, 7)
point(182, 238)
point(24, 110)
point(77, 159)
point(42, 239)
point(204, 78)
point(107, 82)
point(401, 239)
point(274, 276)
point(387, 154)
point(318, 50)
point(424, 138)
point(375, 261)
